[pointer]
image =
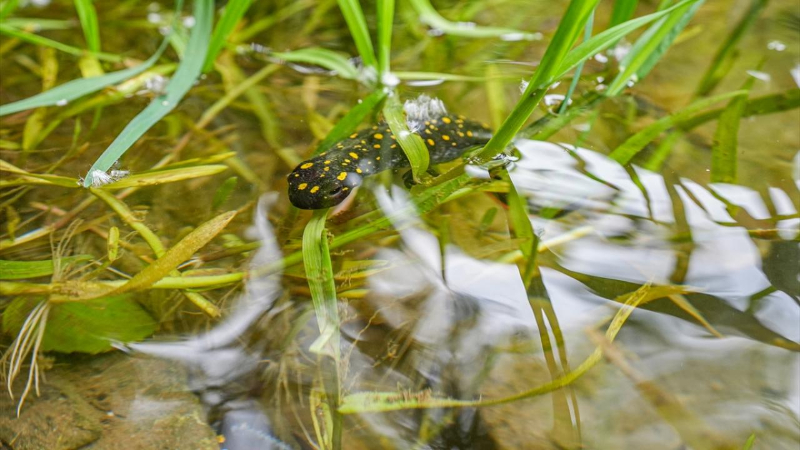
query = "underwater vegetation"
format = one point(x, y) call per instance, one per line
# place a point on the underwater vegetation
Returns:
point(405, 224)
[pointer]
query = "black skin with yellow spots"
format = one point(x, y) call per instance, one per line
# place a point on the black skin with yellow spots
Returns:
point(326, 180)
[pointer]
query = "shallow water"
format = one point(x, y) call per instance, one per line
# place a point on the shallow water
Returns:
point(434, 305)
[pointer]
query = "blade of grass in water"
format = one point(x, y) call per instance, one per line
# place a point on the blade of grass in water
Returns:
point(393, 401)
point(234, 11)
point(429, 16)
point(587, 34)
point(725, 56)
point(78, 88)
point(357, 23)
point(622, 12)
point(726, 138)
point(385, 19)
point(88, 19)
point(8, 7)
point(351, 120)
point(631, 147)
point(319, 272)
point(411, 143)
point(321, 57)
point(572, 23)
point(187, 73)
point(40, 40)
point(18, 270)
point(651, 46)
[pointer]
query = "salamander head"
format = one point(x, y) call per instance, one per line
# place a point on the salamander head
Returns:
point(313, 187)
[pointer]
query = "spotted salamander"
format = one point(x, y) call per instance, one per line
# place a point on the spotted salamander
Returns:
point(326, 180)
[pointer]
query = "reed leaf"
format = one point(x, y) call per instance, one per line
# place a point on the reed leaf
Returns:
point(357, 23)
point(321, 57)
point(319, 272)
point(233, 13)
point(88, 18)
point(411, 143)
point(18, 270)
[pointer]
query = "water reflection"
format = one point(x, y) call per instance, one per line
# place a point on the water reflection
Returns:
point(432, 315)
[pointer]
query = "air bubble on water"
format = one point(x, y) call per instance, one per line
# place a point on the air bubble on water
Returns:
point(153, 7)
point(421, 109)
point(795, 72)
point(757, 74)
point(189, 21)
point(632, 80)
point(776, 45)
point(425, 82)
point(582, 127)
point(512, 37)
point(555, 99)
point(554, 85)
point(600, 79)
point(600, 87)
point(389, 79)
point(523, 86)
point(435, 32)
point(466, 24)
point(40, 3)
point(154, 17)
point(62, 102)
point(620, 51)
point(404, 134)
point(165, 30)
point(165, 103)
point(601, 58)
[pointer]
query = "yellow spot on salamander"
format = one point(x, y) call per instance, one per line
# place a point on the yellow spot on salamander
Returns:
point(393, 146)
point(376, 146)
point(327, 169)
point(342, 176)
point(392, 136)
point(306, 165)
point(445, 137)
point(339, 146)
point(430, 142)
point(460, 134)
point(363, 142)
point(354, 155)
point(314, 189)
point(378, 158)
point(378, 136)
point(374, 127)
point(446, 120)
point(327, 161)
point(469, 133)
point(353, 136)
point(428, 131)
point(345, 188)
point(296, 175)
point(302, 186)
point(427, 122)
point(358, 170)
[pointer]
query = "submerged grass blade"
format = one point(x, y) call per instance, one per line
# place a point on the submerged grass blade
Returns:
point(394, 401)
point(322, 57)
point(187, 73)
point(46, 42)
point(18, 270)
point(723, 59)
point(88, 19)
point(319, 272)
point(357, 23)
point(78, 88)
point(429, 16)
point(234, 11)
point(173, 257)
point(411, 143)
point(351, 120)
point(726, 138)
point(631, 147)
point(165, 176)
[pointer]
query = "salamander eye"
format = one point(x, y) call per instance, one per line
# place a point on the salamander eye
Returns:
point(335, 190)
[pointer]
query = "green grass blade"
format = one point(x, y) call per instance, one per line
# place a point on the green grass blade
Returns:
point(18, 270)
point(354, 16)
point(726, 138)
point(187, 73)
point(350, 121)
point(319, 272)
point(570, 27)
point(724, 57)
point(411, 143)
point(41, 40)
point(39, 24)
point(88, 19)
point(78, 88)
point(321, 57)
point(8, 7)
point(385, 19)
point(234, 11)
point(622, 12)
point(631, 147)
point(608, 37)
point(587, 34)
point(429, 16)
point(651, 46)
